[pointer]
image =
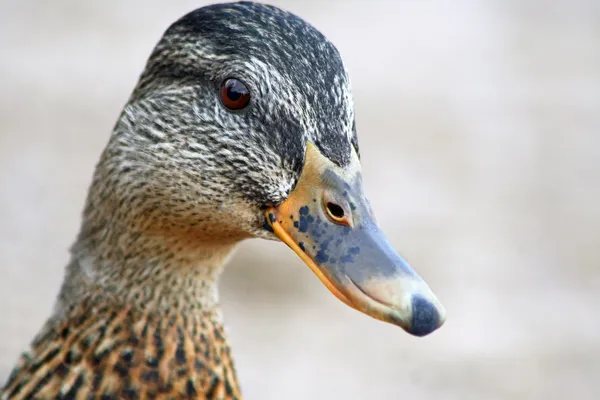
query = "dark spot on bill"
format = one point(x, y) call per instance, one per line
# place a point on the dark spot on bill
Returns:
point(321, 257)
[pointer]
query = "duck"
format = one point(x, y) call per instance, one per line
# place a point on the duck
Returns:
point(241, 125)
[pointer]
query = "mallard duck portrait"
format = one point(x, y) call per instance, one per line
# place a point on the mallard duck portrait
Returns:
point(240, 126)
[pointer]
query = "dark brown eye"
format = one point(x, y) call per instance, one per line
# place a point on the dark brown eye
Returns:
point(234, 94)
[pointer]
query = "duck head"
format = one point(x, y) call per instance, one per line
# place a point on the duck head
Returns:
point(242, 125)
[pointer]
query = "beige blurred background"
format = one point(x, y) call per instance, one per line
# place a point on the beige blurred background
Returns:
point(479, 124)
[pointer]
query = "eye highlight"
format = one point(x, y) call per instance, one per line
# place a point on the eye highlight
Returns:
point(234, 94)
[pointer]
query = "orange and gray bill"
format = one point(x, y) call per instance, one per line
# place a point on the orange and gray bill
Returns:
point(328, 222)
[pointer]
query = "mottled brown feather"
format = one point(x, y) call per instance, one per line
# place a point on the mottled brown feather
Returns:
point(102, 349)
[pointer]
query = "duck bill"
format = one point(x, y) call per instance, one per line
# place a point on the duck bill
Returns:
point(328, 222)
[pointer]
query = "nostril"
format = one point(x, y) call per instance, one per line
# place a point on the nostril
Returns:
point(425, 317)
point(335, 211)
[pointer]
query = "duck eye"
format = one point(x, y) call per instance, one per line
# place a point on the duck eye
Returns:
point(234, 94)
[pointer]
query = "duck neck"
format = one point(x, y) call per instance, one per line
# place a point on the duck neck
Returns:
point(147, 270)
point(161, 294)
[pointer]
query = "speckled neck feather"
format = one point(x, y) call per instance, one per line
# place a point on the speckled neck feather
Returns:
point(137, 317)
point(106, 349)
point(181, 181)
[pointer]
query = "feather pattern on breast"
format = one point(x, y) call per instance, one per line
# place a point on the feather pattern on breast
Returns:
point(104, 349)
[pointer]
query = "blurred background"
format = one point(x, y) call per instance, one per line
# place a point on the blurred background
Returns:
point(479, 125)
